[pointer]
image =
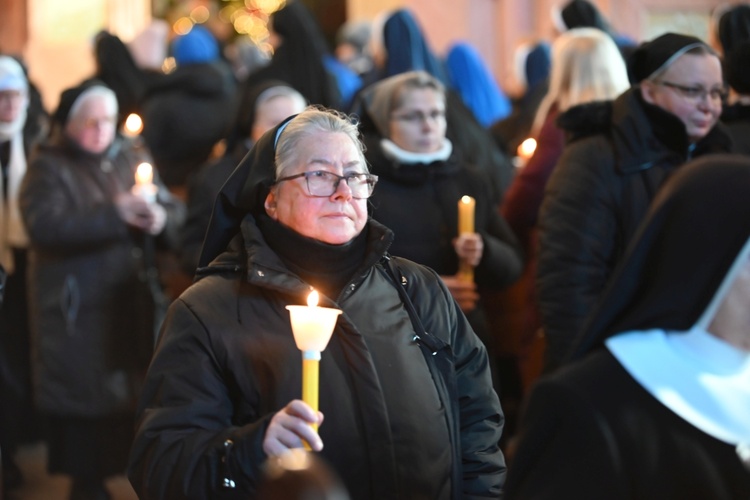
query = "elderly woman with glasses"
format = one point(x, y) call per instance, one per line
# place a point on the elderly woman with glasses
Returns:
point(421, 180)
point(93, 292)
point(404, 381)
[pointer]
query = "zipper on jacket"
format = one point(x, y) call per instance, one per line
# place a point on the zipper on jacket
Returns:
point(227, 482)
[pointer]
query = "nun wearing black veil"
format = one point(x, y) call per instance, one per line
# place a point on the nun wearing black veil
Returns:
point(657, 402)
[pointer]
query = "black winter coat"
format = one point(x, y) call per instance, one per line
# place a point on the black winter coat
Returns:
point(227, 362)
point(91, 310)
point(618, 155)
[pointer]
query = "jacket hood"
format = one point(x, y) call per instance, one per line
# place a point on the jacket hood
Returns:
point(642, 134)
point(586, 119)
point(684, 255)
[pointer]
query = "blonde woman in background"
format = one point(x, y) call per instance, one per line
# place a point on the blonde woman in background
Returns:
point(586, 67)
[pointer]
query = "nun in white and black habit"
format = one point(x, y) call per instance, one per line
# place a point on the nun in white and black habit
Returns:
point(657, 402)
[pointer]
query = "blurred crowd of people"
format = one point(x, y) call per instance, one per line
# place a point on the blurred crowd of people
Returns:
point(586, 337)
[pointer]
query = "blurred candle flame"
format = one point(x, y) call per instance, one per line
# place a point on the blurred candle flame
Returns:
point(312, 299)
point(133, 125)
point(526, 148)
point(144, 174)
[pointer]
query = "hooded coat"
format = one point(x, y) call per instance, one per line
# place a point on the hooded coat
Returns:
point(653, 404)
point(618, 155)
point(227, 362)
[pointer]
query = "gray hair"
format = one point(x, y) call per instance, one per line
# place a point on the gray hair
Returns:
point(281, 91)
point(310, 121)
point(388, 94)
point(95, 91)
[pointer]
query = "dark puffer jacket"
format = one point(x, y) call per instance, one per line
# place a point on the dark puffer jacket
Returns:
point(227, 362)
point(618, 155)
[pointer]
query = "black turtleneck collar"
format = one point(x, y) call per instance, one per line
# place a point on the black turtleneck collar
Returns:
point(328, 268)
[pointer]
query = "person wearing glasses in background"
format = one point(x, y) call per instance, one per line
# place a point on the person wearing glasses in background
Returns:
point(422, 179)
point(222, 393)
point(617, 156)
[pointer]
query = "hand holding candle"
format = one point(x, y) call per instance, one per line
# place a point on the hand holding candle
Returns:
point(466, 209)
point(144, 183)
point(312, 327)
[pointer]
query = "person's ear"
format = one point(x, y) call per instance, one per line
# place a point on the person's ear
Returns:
point(270, 204)
point(647, 91)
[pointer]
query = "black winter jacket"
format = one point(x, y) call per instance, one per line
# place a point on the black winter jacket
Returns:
point(618, 155)
point(227, 362)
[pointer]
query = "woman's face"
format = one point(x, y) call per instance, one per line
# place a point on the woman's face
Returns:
point(689, 74)
point(11, 102)
point(93, 126)
point(418, 124)
point(335, 219)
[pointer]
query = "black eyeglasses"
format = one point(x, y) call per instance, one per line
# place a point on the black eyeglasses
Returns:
point(323, 184)
point(697, 93)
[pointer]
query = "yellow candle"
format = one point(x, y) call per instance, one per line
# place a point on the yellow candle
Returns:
point(311, 380)
point(312, 327)
point(144, 182)
point(466, 208)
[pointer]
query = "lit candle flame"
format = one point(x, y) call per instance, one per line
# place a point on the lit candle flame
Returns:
point(133, 124)
point(312, 299)
point(144, 174)
point(466, 199)
point(527, 148)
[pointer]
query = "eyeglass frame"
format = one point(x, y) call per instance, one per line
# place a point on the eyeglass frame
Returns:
point(687, 91)
point(414, 117)
point(12, 94)
point(370, 179)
